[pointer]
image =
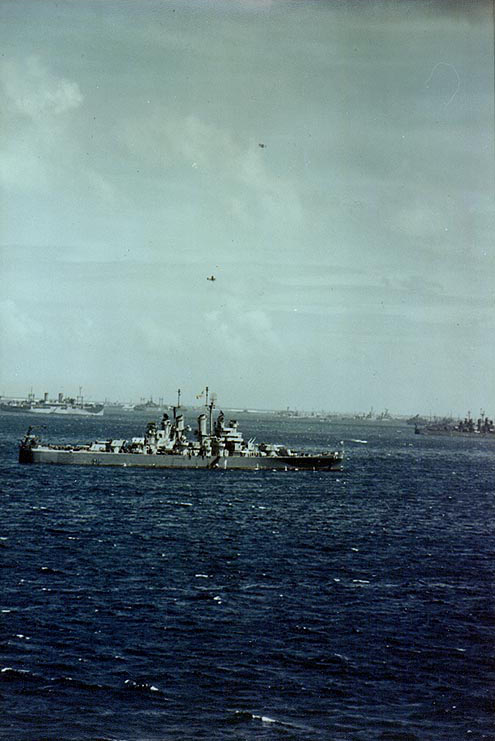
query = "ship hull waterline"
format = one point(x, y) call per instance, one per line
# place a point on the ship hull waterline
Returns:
point(65, 411)
point(144, 460)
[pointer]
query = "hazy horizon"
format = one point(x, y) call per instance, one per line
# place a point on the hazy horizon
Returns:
point(330, 163)
point(194, 402)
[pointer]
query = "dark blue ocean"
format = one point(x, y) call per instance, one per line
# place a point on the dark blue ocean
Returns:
point(142, 605)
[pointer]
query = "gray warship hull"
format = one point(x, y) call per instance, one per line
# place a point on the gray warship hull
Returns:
point(51, 455)
point(474, 435)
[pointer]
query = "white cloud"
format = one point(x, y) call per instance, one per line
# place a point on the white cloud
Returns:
point(21, 164)
point(418, 220)
point(32, 90)
point(154, 335)
point(239, 331)
point(16, 325)
point(37, 102)
point(46, 148)
point(237, 167)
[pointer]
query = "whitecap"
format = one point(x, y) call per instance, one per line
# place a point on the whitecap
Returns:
point(267, 719)
point(141, 686)
point(264, 718)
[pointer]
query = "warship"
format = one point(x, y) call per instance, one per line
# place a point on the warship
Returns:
point(216, 445)
point(147, 406)
point(483, 427)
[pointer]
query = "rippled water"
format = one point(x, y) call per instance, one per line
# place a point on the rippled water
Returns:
point(142, 605)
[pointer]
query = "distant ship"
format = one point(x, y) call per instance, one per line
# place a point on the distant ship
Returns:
point(147, 406)
point(63, 405)
point(466, 427)
point(152, 406)
point(217, 445)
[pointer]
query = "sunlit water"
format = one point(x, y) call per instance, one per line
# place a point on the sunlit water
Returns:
point(143, 605)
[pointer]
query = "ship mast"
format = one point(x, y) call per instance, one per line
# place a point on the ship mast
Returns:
point(209, 406)
point(178, 404)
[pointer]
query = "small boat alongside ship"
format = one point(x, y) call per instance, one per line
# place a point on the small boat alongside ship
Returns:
point(62, 405)
point(216, 445)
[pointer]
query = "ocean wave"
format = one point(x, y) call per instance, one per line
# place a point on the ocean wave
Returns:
point(239, 716)
point(51, 570)
point(130, 684)
point(11, 674)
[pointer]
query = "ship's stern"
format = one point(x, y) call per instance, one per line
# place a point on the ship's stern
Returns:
point(25, 454)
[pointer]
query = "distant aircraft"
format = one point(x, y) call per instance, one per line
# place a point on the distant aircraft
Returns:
point(211, 277)
point(261, 145)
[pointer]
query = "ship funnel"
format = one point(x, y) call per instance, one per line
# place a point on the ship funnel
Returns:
point(60, 397)
point(180, 422)
point(202, 425)
point(45, 396)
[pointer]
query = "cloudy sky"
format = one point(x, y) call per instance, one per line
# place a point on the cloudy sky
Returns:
point(331, 163)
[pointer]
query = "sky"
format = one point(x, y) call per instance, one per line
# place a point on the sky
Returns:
point(331, 163)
